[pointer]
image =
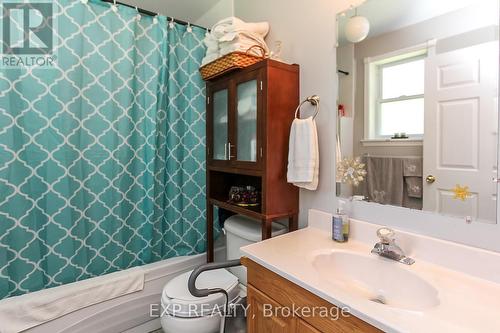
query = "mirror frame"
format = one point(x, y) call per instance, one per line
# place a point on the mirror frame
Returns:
point(477, 234)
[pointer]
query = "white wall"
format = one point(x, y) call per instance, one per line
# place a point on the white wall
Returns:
point(307, 30)
point(222, 9)
point(204, 13)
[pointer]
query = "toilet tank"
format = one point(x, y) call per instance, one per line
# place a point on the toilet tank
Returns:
point(242, 231)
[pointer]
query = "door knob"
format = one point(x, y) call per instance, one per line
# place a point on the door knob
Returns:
point(430, 179)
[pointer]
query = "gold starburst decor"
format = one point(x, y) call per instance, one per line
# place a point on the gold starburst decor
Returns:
point(351, 171)
point(461, 192)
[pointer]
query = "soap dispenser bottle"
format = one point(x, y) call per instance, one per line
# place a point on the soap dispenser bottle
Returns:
point(340, 225)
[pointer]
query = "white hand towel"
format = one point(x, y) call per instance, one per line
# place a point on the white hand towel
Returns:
point(303, 154)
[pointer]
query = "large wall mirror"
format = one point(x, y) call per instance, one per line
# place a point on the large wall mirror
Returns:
point(418, 105)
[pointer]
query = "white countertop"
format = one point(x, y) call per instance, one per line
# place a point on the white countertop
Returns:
point(467, 303)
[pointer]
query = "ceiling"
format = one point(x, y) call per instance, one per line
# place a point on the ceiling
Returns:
point(187, 10)
point(390, 15)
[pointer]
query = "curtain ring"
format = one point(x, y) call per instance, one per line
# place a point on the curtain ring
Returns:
point(172, 23)
point(114, 7)
point(138, 16)
point(189, 28)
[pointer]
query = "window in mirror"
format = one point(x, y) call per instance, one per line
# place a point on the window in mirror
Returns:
point(400, 80)
point(399, 92)
point(402, 116)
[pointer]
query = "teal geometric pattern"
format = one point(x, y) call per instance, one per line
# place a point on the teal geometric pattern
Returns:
point(102, 159)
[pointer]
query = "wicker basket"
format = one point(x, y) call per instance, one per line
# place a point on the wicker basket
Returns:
point(230, 62)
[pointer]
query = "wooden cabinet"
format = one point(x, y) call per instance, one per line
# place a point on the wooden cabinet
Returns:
point(278, 305)
point(266, 316)
point(234, 106)
point(303, 327)
point(249, 114)
point(261, 307)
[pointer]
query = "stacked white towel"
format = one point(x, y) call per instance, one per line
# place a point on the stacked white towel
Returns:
point(303, 154)
point(212, 45)
point(232, 34)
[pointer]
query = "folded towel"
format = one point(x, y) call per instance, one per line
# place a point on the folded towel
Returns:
point(245, 48)
point(211, 42)
point(226, 25)
point(209, 58)
point(239, 36)
point(242, 42)
point(303, 154)
point(213, 50)
point(414, 187)
point(413, 167)
point(24, 312)
point(233, 24)
point(384, 180)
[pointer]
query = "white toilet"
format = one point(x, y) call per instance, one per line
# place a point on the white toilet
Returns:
point(184, 313)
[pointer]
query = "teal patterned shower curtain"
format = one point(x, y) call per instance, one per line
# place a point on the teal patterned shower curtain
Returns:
point(102, 158)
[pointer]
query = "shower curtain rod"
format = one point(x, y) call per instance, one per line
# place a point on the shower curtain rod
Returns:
point(149, 13)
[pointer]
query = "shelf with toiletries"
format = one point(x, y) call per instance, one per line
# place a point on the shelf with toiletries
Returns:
point(249, 115)
point(243, 192)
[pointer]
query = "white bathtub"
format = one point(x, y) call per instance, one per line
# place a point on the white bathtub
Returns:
point(129, 313)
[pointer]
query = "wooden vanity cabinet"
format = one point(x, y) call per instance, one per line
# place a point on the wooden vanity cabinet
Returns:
point(268, 293)
point(262, 323)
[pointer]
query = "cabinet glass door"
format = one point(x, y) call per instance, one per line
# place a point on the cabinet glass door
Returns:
point(247, 121)
point(220, 125)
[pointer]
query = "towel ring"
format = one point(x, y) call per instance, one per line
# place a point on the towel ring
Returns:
point(314, 100)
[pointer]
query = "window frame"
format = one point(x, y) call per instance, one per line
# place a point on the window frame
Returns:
point(371, 94)
point(380, 100)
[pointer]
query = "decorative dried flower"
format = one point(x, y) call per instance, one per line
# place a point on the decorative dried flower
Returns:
point(351, 171)
point(461, 192)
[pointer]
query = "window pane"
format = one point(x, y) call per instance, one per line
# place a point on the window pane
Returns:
point(403, 80)
point(247, 121)
point(220, 125)
point(402, 117)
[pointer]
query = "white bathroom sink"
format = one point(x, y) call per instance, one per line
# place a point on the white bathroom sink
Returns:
point(376, 279)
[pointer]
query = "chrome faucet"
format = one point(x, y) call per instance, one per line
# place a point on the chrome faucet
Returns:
point(388, 248)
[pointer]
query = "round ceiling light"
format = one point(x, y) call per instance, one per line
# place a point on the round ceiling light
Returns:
point(357, 29)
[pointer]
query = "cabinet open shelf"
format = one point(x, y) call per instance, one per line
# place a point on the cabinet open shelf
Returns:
point(220, 185)
point(253, 212)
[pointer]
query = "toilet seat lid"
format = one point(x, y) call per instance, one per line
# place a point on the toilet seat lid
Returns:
point(177, 288)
